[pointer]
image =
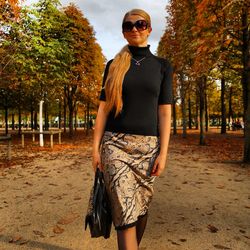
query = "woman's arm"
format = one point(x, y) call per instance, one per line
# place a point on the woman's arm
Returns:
point(164, 129)
point(100, 124)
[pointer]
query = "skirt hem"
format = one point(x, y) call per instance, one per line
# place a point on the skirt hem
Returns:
point(123, 227)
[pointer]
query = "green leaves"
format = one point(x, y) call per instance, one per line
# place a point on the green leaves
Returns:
point(44, 48)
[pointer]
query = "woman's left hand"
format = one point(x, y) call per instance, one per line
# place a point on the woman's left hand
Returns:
point(159, 166)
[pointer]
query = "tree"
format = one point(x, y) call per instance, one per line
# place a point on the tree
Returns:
point(86, 63)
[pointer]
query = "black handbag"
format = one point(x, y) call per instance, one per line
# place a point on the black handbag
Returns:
point(98, 215)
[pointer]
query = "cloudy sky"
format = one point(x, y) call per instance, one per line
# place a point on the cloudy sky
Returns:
point(106, 17)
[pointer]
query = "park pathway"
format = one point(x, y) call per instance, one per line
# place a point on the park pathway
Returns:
point(201, 202)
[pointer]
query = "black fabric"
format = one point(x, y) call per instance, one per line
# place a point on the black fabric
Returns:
point(144, 88)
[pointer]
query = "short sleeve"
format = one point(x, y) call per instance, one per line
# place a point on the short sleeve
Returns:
point(166, 93)
point(102, 95)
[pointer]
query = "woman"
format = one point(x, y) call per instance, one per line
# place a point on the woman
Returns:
point(132, 128)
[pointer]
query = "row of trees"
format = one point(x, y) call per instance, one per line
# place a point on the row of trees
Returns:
point(47, 53)
point(208, 42)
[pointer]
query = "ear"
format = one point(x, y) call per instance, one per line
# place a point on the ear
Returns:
point(150, 29)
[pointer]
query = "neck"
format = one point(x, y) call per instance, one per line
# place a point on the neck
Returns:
point(145, 44)
point(139, 52)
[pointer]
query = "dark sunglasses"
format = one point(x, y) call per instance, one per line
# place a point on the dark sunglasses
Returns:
point(140, 25)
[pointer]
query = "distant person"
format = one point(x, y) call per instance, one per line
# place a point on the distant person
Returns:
point(132, 128)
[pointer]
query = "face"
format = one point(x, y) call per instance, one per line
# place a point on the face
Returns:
point(136, 37)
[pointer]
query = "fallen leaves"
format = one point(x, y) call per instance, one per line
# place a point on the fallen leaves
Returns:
point(39, 233)
point(58, 230)
point(15, 238)
point(212, 228)
point(69, 218)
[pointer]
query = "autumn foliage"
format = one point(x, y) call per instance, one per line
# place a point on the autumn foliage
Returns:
point(208, 44)
point(48, 53)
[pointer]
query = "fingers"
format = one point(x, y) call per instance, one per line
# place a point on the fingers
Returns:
point(96, 161)
point(100, 166)
point(154, 169)
point(157, 168)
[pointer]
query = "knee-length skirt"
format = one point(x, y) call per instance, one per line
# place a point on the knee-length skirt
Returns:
point(128, 160)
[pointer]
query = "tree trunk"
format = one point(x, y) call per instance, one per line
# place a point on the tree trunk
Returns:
point(184, 119)
point(206, 111)
point(223, 106)
point(202, 86)
point(32, 118)
point(230, 109)
point(60, 115)
point(247, 129)
point(71, 115)
point(35, 121)
point(246, 81)
point(6, 120)
point(13, 121)
point(183, 106)
point(197, 110)
point(19, 120)
point(64, 110)
point(71, 108)
point(46, 116)
point(75, 117)
point(174, 118)
point(87, 119)
point(189, 114)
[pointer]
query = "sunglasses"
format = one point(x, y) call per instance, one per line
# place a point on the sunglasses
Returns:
point(140, 25)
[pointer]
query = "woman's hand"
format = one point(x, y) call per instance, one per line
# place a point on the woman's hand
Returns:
point(96, 161)
point(159, 165)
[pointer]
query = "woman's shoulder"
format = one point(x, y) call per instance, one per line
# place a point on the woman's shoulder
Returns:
point(108, 65)
point(164, 62)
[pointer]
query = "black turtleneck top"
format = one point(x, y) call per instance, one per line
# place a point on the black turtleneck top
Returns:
point(145, 86)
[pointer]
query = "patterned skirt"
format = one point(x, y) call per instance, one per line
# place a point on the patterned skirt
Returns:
point(128, 160)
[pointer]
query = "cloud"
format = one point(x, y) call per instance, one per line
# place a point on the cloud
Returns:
point(106, 17)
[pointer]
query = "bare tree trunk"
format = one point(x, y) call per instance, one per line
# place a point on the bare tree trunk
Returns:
point(223, 106)
point(64, 110)
point(32, 118)
point(46, 116)
point(183, 106)
point(13, 121)
point(6, 120)
point(60, 115)
point(206, 111)
point(189, 114)
point(19, 120)
point(174, 118)
point(230, 109)
point(246, 80)
point(87, 119)
point(75, 117)
point(71, 113)
point(35, 121)
point(197, 110)
point(202, 86)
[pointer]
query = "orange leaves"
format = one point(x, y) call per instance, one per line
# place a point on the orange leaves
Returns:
point(69, 218)
point(212, 228)
point(58, 230)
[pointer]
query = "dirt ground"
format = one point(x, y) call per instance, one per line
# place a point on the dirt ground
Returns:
point(201, 202)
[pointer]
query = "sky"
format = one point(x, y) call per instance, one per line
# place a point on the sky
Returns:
point(106, 17)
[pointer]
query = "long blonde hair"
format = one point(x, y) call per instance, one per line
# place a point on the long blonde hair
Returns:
point(118, 69)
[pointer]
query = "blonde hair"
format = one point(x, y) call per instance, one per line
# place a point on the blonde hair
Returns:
point(118, 69)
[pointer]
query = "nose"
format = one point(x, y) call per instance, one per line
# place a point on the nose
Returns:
point(134, 29)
